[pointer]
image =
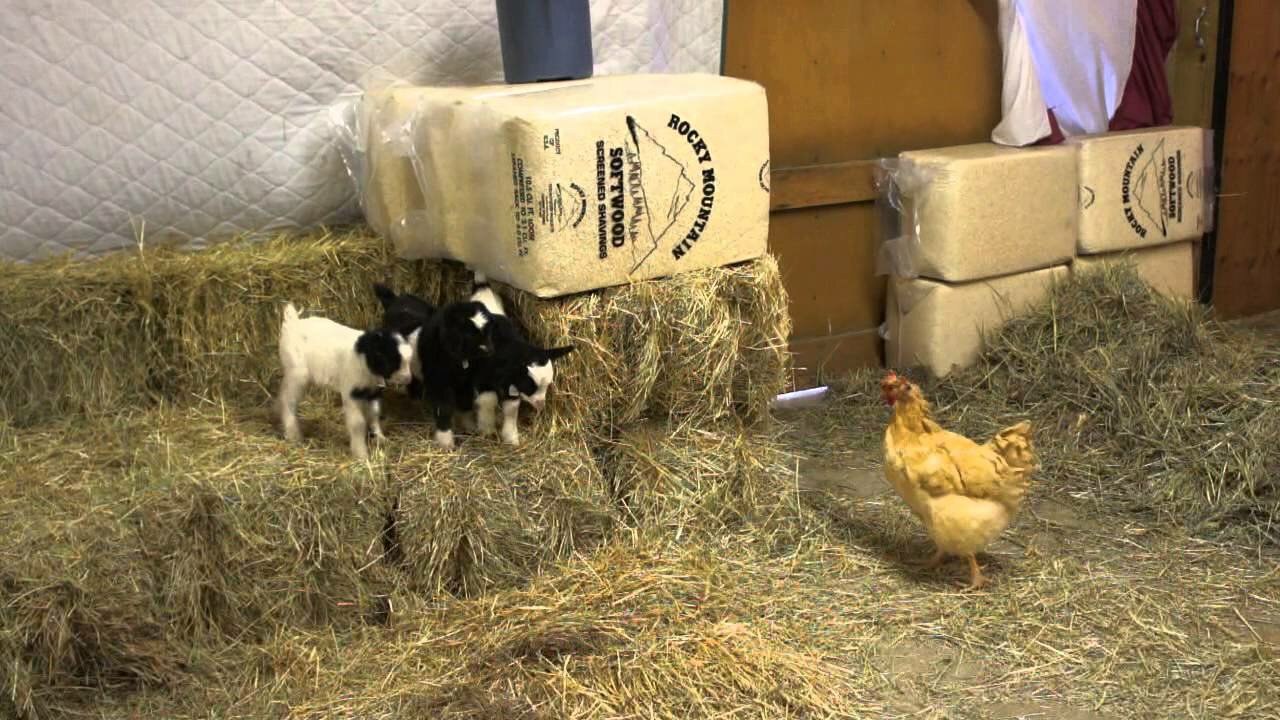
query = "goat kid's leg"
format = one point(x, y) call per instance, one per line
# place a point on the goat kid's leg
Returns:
point(466, 410)
point(373, 417)
point(444, 425)
point(354, 413)
point(291, 389)
point(487, 413)
point(510, 422)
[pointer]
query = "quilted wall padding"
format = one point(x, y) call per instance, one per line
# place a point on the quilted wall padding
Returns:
point(198, 119)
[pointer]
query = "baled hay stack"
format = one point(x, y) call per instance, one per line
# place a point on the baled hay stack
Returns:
point(198, 326)
point(267, 532)
point(694, 479)
point(78, 337)
point(124, 542)
point(488, 515)
point(137, 326)
point(636, 629)
point(78, 585)
point(764, 318)
point(1139, 398)
point(78, 613)
point(221, 307)
point(701, 346)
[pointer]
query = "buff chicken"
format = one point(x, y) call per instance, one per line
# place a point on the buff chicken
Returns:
point(964, 493)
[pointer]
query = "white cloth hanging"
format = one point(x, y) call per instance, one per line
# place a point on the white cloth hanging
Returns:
point(1071, 57)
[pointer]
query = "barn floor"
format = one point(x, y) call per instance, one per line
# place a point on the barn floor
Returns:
point(1094, 612)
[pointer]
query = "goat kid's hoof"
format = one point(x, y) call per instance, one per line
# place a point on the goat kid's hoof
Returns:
point(512, 439)
point(445, 439)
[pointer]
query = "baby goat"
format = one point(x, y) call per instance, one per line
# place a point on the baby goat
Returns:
point(518, 370)
point(357, 364)
point(458, 336)
point(405, 313)
point(452, 339)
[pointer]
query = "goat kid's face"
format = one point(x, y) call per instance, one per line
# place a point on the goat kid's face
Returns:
point(388, 354)
point(539, 374)
point(470, 329)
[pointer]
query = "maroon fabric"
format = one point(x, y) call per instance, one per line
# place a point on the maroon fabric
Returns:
point(1055, 133)
point(1146, 101)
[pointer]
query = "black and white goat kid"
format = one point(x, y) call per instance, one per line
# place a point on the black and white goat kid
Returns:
point(405, 313)
point(517, 371)
point(451, 339)
point(457, 337)
point(358, 364)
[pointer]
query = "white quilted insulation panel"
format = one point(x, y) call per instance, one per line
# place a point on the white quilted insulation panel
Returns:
point(202, 118)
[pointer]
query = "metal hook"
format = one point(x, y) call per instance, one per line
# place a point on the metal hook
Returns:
point(1204, 10)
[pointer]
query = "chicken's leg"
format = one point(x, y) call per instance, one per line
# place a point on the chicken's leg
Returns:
point(976, 578)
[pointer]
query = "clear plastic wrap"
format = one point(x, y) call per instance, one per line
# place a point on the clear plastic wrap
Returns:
point(976, 211)
point(563, 187)
point(900, 184)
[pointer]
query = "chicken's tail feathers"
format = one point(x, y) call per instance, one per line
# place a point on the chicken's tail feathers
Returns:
point(1014, 444)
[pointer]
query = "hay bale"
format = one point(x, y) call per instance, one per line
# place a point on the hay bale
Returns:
point(151, 534)
point(78, 338)
point(637, 629)
point(702, 346)
point(221, 307)
point(265, 533)
point(697, 332)
point(691, 480)
point(202, 326)
point(762, 310)
point(488, 515)
point(137, 326)
point(1144, 400)
point(78, 584)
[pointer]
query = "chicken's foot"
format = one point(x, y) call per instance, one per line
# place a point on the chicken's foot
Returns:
point(976, 579)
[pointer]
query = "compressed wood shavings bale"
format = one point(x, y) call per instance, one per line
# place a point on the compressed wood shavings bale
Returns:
point(1168, 269)
point(982, 210)
point(1143, 188)
point(563, 187)
point(940, 326)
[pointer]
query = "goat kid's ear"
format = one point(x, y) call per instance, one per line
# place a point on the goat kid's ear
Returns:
point(556, 353)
